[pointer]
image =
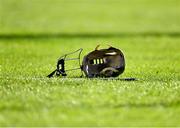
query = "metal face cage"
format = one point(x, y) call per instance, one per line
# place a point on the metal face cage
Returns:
point(60, 68)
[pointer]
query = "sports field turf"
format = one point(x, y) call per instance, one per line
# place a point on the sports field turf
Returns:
point(34, 33)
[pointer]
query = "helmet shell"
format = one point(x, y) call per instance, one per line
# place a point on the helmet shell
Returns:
point(104, 63)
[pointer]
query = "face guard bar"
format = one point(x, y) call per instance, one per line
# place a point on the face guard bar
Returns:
point(60, 70)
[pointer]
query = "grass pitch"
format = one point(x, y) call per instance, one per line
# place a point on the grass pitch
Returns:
point(31, 40)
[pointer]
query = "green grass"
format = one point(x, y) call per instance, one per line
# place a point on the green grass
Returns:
point(29, 98)
point(87, 16)
point(34, 34)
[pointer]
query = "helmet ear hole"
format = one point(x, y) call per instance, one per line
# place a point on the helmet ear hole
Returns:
point(91, 61)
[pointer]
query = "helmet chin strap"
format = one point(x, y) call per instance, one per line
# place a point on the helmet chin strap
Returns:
point(60, 70)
